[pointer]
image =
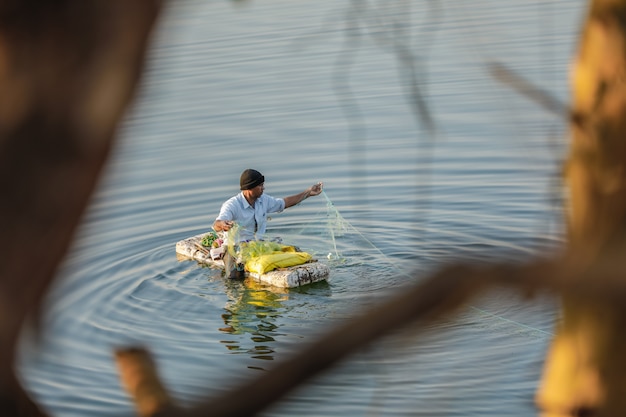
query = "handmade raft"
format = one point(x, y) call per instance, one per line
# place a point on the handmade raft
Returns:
point(289, 277)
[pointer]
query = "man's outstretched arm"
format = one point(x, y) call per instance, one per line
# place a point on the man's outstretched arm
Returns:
point(313, 190)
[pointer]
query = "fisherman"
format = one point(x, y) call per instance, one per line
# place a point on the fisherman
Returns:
point(249, 210)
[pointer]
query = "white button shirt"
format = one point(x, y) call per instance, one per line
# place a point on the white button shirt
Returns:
point(252, 221)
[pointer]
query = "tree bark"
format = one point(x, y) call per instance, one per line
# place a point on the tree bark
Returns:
point(585, 370)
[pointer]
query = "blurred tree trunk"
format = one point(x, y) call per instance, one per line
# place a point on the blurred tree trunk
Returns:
point(585, 370)
point(68, 69)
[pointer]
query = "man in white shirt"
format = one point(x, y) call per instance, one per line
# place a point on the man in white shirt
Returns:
point(249, 210)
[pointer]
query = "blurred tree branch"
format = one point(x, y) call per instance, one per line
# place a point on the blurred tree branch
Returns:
point(68, 69)
point(438, 295)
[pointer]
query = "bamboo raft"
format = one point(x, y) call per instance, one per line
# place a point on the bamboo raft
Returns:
point(289, 277)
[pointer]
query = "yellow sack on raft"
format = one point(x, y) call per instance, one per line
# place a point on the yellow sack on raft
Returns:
point(269, 262)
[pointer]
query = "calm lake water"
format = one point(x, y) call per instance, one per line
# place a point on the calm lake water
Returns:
point(321, 91)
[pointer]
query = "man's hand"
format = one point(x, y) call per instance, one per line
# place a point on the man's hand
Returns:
point(223, 225)
point(316, 189)
point(292, 200)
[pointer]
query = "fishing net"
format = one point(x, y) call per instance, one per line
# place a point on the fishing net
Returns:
point(333, 239)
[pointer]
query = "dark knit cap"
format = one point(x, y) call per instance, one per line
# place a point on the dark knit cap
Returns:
point(250, 178)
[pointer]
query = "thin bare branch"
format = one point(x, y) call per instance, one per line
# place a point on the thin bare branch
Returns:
point(523, 86)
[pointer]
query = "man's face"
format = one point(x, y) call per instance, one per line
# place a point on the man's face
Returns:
point(258, 190)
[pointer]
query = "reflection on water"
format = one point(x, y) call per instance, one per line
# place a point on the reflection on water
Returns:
point(252, 311)
point(255, 310)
